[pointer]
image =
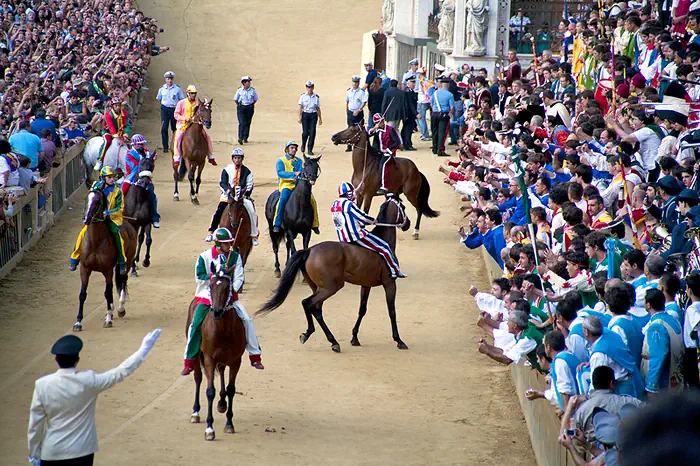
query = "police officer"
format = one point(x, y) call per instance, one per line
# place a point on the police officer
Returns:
point(309, 115)
point(442, 106)
point(168, 95)
point(355, 102)
point(245, 99)
point(410, 103)
point(411, 73)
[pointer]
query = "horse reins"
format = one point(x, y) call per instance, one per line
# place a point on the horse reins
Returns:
point(398, 216)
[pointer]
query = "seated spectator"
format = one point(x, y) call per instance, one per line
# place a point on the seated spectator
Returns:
point(27, 179)
point(72, 134)
point(77, 108)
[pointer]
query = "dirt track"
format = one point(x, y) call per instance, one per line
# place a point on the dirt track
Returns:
point(438, 403)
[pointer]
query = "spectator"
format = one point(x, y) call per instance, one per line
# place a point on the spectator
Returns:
point(49, 150)
point(27, 144)
point(9, 166)
point(40, 123)
point(72, 133)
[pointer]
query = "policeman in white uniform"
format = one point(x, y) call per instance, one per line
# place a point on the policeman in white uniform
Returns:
point(411, 73)
point(245, 99)
point(309, 116)
point(169, 95)
point(355, 102)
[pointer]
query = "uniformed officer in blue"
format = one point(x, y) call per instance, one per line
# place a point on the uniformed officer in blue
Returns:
point(411, 73)
point(168, 95)
point(245, 99)
point(442, 106)
point(355, 103)
point(309, 116)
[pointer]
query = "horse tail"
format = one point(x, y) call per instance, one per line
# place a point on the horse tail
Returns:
point(182, 170)
point(423, 195)
point(296, 263)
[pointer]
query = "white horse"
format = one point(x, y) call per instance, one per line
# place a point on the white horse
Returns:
point(115, 156)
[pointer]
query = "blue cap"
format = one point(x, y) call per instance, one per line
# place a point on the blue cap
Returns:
point(69, 344)
point(671, 185)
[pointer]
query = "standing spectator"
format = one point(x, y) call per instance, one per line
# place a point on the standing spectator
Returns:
point(369, 79)
point(392, 105)
point(62, 426)
point(442, 107)
point(309, 115)
point(9, 166)
point(423, 104)
point(691, 331)
point(27, 144)
point(49, 150)
point(77, 108)
point(410, 113)
point(245, 99)
point(40, 123)
point(168, 95)
point(355, 102)
point(375, 96)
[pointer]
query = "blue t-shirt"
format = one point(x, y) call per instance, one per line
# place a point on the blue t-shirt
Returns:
point(41, 124)
point(27, 144)
point(371, 74)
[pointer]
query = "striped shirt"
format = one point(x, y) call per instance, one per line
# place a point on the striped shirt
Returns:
point(349, 220)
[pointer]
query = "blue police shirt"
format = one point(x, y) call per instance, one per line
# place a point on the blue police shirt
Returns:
point(246, 96)
point(170, 96)
point(442, 101)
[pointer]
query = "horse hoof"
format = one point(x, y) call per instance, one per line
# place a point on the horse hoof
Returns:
point(355, 342)
point(209, 436)
point(336, 348)
point(121, 313)
point(78, 327)
point(146, 263)
point(194, 419)
point(107, 324)
point(278, 274)
point(416, 235)
point(401, 345)
point(229, 430)
point(176, 197)
point(303, 338)
point(221, 407)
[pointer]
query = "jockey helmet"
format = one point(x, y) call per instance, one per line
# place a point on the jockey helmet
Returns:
point(107, 171)
point(191, 89)
point(138, 139)
point(290, 143)
point(345, 189)
point(223, 235)
point(377, 118)
point(237, 152)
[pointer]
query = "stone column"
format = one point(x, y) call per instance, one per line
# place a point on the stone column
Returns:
point(421, 12)
point(460, 27)
point(498, 36)
point(403, 18)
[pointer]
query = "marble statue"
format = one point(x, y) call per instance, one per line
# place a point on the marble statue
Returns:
point(477, 23)
point(388, 17)
point(446, 25)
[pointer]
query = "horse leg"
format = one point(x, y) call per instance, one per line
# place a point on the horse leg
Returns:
point(231, 392)
point(209, 433)
point(84, 282)
point(221, 405)
point(390, 290)
point(276, 250)
point(176, 176)
point(412, 196)
point(364, 297)
point(109, 287)
point(199, 178)
point(289, 240)
point(368, 202)
point(121, 289)
point(316, 303)
point(194, 418)
point(190, 178)
point(416, 229)
point(138, 252)
point(306, 238)
point(149, 241)
point(310, 328)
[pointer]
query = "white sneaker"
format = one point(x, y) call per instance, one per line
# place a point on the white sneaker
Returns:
point(255, 242)
point(209, 238)
point(156, 224)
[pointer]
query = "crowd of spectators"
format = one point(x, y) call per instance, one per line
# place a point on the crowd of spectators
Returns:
point(580, 177)
point(61, 62)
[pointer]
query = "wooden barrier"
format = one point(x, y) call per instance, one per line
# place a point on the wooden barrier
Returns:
point(542, 423)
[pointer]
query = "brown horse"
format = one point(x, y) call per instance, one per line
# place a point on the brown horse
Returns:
point(327, 266)
point(404, 176)
point(194, 150)
point(99, 254)
point(235, 217)
point(223, 345)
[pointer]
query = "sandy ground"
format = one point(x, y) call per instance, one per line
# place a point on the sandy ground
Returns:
point(438, 403)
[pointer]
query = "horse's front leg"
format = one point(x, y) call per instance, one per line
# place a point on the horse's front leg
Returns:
point(364, 297)
point(390, 290)
point(190, 177)
point(194, 418)
point(230, 393)
point(276, 250)
point(306, 238)
point(84, 282)
point(138, 252)
point(289, 239)
point(149, 241)
point(221, 405)
point(109, 287)
point(199, 178)
point(209, 433)
point(176, 176)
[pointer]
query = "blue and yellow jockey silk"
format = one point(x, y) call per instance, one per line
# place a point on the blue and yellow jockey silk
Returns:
point(115, 201)
point(286, 167)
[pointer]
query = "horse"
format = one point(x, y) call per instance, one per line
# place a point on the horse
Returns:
point(115, 156)
point(403, 177)
point(329, 265)
point(235, 217)
point(298, 213)
point(98, 254)
point(194, 150)
point(137, 210)
point(223, 345)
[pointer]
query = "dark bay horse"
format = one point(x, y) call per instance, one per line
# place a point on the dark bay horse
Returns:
point(194, 150)
point(298, 213)
point(327, 266)
point(99, 254)
point(223, 345)
point(404, 177)
point(137, 211)
point(237, 220)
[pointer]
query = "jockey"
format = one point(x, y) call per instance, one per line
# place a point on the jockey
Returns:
point(113, 218)
point(350, 222)
point(288, 167)
point(116, 126)
point(236, 177)
point(386, 141)
point(224, 253)
point(184, 112)
point(133, 173)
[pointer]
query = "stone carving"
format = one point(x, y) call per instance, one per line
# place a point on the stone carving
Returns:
point(446, 26)
point(388, 17)
point(477, 23)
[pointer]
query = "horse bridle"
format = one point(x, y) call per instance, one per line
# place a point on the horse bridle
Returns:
point(200, 121)
point(356, 138)
point(400, 215)
point(229, 300)
point(97, 216)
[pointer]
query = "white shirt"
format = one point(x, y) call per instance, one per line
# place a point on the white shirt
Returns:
point(13, 177)
point(601, 359)
point(649, 144)
point(309, 103)
point(566, 381)
point(491, 304)
point(355, 98)
point(62, 413)
point(692, 319)
point(520, 349)
point(576, 344)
